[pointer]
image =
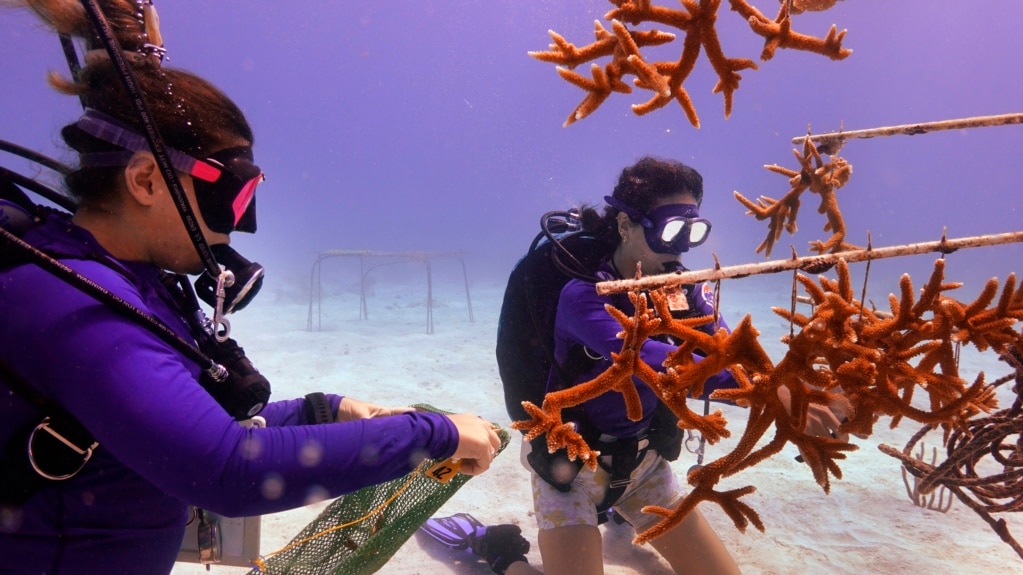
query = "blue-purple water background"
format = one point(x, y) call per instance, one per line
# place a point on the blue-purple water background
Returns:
point(400, 126)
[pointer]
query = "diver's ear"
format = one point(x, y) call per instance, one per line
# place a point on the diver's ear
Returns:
point(623, 222)
point(142, 178)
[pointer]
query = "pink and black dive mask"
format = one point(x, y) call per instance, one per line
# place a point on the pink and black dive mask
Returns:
point(228, 202)
point(225, 182)
point(225, 191)
point(669, 229)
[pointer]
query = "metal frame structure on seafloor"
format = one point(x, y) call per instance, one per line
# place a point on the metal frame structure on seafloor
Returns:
point(383, 258)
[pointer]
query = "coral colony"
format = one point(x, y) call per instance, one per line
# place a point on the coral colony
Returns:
point(816, 175)
point(874, 359)
point(841, 348)
point(666, 78)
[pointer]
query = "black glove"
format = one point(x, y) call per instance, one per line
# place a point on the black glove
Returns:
point(500, 546)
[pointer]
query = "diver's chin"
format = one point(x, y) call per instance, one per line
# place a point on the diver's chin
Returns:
point(672, 266)
point(190, 268)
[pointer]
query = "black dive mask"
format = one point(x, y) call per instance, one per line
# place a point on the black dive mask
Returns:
point(225, 182)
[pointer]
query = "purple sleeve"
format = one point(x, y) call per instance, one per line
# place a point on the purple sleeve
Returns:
point(142, 401)
point(292, 411)
point(582, 318)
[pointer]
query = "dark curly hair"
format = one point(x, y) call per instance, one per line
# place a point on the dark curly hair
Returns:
point(641, 186)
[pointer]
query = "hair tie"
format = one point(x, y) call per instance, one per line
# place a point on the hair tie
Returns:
point(151, 51)
point(97, 55)
point(151, 22)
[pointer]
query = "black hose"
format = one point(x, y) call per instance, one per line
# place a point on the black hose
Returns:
point(105, 296)
point(30, 184)
point(32, 155)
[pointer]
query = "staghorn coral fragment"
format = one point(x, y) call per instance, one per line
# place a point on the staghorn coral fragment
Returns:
point(564, 53)
point(777, 33)
point(598, 89)
point(740, 513)
point(817, 176)
point(697, 21)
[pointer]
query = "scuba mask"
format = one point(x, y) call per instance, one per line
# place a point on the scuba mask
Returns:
point(225, 182)
point(669, 229)
point(228, 202)
point(225, 186)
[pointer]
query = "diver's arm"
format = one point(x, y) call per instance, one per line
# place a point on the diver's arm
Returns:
point(142, 401)
point(180, 439)
point(293, 411)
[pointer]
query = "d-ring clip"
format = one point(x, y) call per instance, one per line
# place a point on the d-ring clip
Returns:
point(57, 475)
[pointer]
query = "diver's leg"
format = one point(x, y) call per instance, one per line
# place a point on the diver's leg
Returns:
point(571, 550)
point(568, 537)
point(693, 548)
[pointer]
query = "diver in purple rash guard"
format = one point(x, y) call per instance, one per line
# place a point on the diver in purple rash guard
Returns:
point(651, 219)
point(164, 442)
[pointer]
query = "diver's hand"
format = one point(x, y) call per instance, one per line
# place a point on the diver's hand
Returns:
point(352, 409)
point(842, 408)
point(821, 420)
point(478, 443)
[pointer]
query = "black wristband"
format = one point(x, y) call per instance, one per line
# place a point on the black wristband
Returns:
point(317, 409)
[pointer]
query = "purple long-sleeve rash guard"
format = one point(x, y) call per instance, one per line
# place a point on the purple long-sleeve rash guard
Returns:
point(583, 320)
point(164, 441)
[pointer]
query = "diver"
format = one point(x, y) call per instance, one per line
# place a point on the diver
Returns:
point(650, 220)
point(108, 429)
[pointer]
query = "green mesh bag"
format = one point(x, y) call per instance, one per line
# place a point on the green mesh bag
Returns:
point(359, 532)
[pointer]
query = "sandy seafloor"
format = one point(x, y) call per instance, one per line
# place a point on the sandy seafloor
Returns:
point(866, 525)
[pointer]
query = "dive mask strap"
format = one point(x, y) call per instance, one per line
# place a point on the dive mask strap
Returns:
point(111, 130)
point(634, 214)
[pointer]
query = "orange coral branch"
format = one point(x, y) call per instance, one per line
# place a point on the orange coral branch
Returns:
point(666, 78)
point(841, 349)
point(816, 175)
point(778, 33)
